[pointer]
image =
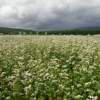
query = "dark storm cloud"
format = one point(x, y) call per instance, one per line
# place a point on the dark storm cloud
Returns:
point(49, 14)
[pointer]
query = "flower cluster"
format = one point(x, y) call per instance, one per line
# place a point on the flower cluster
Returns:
point(49, 68)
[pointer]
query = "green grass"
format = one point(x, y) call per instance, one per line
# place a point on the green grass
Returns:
point(49, 67)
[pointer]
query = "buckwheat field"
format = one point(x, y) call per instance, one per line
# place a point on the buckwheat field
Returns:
point(49, 67)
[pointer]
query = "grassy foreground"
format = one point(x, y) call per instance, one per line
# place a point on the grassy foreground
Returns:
point(49, 68)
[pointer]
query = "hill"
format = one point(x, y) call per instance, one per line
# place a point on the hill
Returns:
point(6, 30)
point(78, 31)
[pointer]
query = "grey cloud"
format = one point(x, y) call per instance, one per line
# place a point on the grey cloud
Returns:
point(49, 14)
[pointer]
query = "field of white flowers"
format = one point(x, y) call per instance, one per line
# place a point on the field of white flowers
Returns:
point(49, 68)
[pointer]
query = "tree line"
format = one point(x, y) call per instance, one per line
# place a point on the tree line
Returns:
point(12, 31)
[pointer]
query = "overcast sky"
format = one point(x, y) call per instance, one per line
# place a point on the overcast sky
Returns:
point(49, 14)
